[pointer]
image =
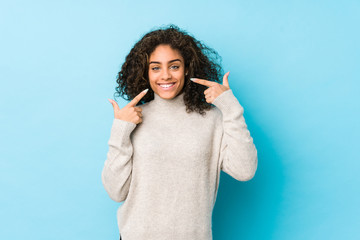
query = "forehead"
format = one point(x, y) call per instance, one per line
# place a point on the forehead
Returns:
point(165, 53)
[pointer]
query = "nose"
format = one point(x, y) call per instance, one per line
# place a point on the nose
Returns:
point(165, 74)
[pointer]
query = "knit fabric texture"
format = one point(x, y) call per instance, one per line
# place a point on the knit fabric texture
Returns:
point(167, 168)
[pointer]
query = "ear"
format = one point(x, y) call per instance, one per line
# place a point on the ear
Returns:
point(186, 71)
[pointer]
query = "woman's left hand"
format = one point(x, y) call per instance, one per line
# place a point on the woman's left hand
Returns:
point(215, 89)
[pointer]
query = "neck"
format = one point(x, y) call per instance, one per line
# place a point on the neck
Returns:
point(169, 104)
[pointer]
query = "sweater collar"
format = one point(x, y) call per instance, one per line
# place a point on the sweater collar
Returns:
point(169, 104)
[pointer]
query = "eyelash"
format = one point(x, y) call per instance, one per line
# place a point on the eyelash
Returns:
point(157, 68)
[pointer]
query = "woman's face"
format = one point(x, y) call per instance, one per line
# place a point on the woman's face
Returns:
point(166, 71)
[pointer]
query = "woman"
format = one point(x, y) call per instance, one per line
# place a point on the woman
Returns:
point(170, 142)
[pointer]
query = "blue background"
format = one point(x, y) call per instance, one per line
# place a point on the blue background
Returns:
point(294, 66)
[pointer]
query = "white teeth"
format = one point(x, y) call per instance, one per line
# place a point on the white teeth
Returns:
point(166, 85)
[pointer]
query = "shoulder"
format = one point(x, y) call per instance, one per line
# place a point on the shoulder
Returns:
point(213, 114)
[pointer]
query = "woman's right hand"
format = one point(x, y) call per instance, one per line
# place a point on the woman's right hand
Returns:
point(130, 112)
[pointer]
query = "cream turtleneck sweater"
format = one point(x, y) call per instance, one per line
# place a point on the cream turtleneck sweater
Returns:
point(167, 168)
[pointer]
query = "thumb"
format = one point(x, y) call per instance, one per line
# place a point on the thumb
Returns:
point(225, 80)
point(114, 104)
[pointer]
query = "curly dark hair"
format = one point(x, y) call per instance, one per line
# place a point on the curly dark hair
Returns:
point(200, 60)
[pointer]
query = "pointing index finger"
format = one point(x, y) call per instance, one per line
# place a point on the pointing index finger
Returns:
point(136, 99)
point(202, 81)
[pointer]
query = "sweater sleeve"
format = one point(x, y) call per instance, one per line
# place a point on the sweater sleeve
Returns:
point(116, 174)
point(238, 154)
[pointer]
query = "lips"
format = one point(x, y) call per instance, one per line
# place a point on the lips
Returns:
point(167, 86)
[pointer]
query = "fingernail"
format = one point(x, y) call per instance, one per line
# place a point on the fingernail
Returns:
point(193, 79)
point(109, 100)
point(146, 90)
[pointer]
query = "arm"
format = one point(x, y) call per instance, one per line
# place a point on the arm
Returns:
point(238, 154)
point(116, 174)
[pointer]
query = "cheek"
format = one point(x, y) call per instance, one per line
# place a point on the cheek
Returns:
point(180, 75)
point(152, 78)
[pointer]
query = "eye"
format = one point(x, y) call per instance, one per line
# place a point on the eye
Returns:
point(155, 68)
point(175, 67)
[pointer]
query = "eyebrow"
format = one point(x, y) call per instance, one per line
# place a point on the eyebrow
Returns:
point(168, 62)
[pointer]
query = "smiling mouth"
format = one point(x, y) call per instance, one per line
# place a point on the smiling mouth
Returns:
point(167, 85)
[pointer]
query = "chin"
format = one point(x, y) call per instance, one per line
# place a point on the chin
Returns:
point(167, 95)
